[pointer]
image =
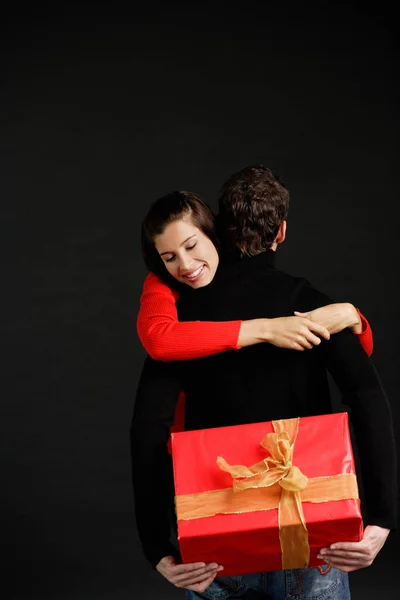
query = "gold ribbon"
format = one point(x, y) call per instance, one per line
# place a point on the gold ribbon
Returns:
point(269, 484)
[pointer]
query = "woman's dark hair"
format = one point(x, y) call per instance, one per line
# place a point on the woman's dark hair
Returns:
point(165, 210)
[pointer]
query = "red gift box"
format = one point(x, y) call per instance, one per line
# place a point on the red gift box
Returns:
point(265, 515)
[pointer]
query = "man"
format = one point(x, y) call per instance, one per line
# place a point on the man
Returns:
point(258, 384)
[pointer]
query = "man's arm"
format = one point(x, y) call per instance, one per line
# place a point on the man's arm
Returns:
point(371, 418)
point(370, 415)
point(152, 477)
point(156, 398)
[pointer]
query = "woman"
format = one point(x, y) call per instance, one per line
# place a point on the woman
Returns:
point(165, 338)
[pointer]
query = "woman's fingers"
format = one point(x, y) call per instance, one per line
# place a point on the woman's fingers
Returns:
point(305, 343)
point(297, 346)
point(294, 333)
point(311, 338)
point(310, 334)
point(301, 314)
point(318, 329)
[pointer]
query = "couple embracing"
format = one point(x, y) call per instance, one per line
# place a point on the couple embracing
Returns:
point(234, 340)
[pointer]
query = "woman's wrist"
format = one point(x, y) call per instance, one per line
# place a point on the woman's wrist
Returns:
point(355, 320)
point(253, 331)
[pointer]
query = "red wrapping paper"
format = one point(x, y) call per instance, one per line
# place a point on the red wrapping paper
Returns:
point(249, 543)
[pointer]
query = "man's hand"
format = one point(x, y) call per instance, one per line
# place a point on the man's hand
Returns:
point(193, 576)
point(293, 333)
point(335, 317)
point(350, 556)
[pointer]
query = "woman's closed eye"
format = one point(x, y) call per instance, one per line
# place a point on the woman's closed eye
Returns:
point(188, 248)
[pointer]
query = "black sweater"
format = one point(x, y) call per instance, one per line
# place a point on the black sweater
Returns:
point(259, 383)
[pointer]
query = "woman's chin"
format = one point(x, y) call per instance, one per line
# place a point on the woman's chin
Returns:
point(204, 280)
point(199, 284)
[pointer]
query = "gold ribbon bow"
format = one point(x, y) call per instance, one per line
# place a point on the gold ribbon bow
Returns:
point(279, 469)
point(272, 483)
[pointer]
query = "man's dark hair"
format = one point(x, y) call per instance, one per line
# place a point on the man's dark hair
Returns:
point(173, 207)
point(252, 205)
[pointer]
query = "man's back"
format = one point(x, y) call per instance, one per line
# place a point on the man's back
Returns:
point(261, 382)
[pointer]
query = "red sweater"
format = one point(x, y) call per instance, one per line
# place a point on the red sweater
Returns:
point(165, 338)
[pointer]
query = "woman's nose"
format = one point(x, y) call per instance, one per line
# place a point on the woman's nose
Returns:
point(185, 262)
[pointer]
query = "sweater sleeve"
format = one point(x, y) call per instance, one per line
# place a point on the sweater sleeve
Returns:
point(155, 402)
point(370, 415)
point(365, 337)
point(165, 338)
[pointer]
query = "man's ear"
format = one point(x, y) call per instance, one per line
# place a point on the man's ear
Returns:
point(280, 236)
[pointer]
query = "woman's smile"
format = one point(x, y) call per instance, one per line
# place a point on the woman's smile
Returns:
point(195, 275)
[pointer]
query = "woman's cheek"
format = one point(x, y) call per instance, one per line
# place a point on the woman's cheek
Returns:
point(172, 270)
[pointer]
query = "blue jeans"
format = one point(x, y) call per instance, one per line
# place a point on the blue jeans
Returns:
point(317, 583)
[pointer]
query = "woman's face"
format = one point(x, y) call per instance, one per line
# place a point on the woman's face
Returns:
point(189, 255)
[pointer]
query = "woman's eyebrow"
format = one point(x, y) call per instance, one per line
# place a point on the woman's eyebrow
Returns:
point(184, 242)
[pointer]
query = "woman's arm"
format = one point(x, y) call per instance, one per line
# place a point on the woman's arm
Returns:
point(165, 338)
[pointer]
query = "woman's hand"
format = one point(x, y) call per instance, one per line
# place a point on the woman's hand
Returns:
point(294, 333)
point(335, 317)
point(291, 333)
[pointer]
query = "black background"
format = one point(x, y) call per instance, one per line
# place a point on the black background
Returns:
point(104, 109)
